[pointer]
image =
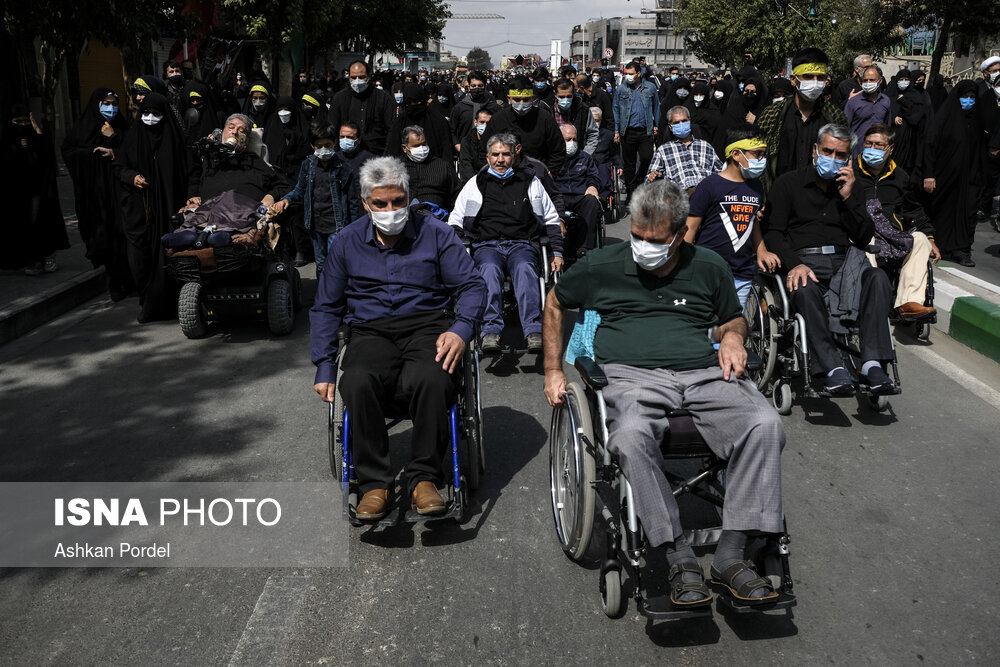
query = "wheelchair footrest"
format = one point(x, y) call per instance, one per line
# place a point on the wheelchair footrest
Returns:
point(726, 604)
point(662, 609)
point(452, 510)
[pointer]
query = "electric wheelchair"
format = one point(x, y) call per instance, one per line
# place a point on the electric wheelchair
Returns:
point(585, 477)
point(464, 458)
point(780, 338)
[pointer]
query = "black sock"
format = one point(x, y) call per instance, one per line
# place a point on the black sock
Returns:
point(731, 548)
point(680, 551)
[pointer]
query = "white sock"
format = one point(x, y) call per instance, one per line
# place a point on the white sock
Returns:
point(838, 368)
point(868, 365)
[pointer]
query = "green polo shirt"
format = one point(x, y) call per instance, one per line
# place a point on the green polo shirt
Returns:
point(652, 322)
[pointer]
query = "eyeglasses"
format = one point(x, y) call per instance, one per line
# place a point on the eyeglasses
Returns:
point(881, 145)
point(756, 154)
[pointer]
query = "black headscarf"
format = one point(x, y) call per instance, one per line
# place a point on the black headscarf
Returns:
point(316, 113)
point(201, 121)
point(937, 91)
point(742, 103)
point(705, 117)
point(415, 111)
point(672, 99)
point(780, 85)
point(259, 118)
point(286, 145)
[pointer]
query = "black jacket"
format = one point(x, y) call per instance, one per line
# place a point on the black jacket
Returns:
point(893, 191)
point(373, 111)
point(537, 131)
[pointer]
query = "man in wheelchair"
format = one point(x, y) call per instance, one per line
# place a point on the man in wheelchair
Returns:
point(504, 210)
point(815, 216)
point(657, 297)
point(390, 275)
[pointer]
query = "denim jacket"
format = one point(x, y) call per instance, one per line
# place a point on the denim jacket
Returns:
point(344, 191)
point(650, 99)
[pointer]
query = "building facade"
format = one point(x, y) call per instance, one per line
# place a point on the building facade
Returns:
point(632, 37)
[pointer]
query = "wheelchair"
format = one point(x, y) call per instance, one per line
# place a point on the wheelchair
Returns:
point(465, 458)
point(612, 194)
point(585, 477)
point(600, 234)
point(779, 337)
point(921, 328)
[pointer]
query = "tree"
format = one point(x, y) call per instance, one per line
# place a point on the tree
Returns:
point(478, 59)
point(392, 26)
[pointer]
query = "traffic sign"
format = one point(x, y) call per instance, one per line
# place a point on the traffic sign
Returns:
point(609, 52)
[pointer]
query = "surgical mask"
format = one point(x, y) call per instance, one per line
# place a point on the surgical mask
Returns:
point(109, 111)
point(994, 78)
point(399, 97)
point(718, 94)
point(873, 156)
point(564, 102)
point(869, 86)
point(347, 145)
point(151, 118)
point(699, 100)
point(629, 78)
point(650, 256)
point(390, 222)
point(827, 167)
point(504, 176)
point(285, 116)
point(903, 84)
point(521, 108)
point(420, 153)
point(673, 77)
point(302, 79)
point(443, 99)
point(571, 148)
point(967, 102)
point(480, 129)
point(324, 153)
point(596, 79)
point(755, 167)
point(682, 93)
point(741, 87)
point(258, 105)
point(811, 90)
point(777, 100)
point(540, 85)
point(359, 85)
point(681, 130)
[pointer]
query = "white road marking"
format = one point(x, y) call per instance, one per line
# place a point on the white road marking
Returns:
point(269, 629)
point(969, 278)
point(979, 388)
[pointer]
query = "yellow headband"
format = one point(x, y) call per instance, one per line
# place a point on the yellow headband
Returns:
point(311, 100)
point(259, 89)
point(527, 92)
point(140, 82)
point(809, 68)
point(194, 94)
point(744, 145)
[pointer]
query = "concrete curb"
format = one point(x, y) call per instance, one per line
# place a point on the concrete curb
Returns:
point(23, 315)
point(975, 322)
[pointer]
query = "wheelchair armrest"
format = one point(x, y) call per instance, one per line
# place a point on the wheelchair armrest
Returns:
point(591, 373)
point(343, 335)
point(754, 362)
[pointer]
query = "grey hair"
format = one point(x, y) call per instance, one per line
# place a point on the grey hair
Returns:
point(838, 132)
point(414, 130)
point(678, 109)
point(857, 61)
point(505, 138)
point(596, 111)
point(657, 203)
point(243, 118)
point(384, 172)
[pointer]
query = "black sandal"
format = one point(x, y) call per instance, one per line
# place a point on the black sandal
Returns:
point(742, 593)
point(679, 587)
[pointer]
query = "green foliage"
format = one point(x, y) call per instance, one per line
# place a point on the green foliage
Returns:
point(478, 59)
point(392, 25)
point(274, 23)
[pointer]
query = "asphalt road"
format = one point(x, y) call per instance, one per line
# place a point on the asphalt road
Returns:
point(893, 517)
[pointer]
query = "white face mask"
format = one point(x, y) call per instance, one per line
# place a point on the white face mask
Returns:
point(903, 84)
point(151, 118)
point(811, 90)
point(359, 85)
point(571, 148)
point(324, 153)
point(258, 104)
point(869, 86)
point(420, 153)
point(777, 100)
point(699, 100)
point(650, 256)
point(285, 116)
point(682, 93)
point(718, 94)
point(629, 78)
point(390, 223)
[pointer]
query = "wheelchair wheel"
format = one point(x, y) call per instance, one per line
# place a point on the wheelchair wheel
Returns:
point(922, 330)
point(781, 398)
point(280, 307)
point(572, 472)
point(612, 600)
point(335, 432)
point(189, 311)
point(761, 339)
point(474, 456)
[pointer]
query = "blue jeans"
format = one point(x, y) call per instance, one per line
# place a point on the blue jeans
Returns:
point(520, 258)
point(742, 290)
point(321, 246)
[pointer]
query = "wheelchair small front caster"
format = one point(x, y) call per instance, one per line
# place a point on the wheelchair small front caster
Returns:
point(612, 598)
point(781, 397)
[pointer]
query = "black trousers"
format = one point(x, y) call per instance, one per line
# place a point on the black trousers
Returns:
point(390, 362)
point(876, 300)
point(583, 234)
point(637, 147)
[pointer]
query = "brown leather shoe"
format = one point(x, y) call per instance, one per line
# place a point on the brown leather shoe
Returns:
point(426, 499)
point(915, 311)
point(374, 505)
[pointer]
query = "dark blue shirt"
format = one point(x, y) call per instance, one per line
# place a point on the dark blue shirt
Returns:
point(363, 280)
point(578, 173)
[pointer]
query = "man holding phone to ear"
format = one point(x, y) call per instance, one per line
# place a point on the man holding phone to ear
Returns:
point(814, 215)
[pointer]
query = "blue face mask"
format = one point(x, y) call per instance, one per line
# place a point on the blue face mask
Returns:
point(109, 111)
point(755, 168)
point(681, 130)
point(540, 84)
point(741, 87)
point(673, 77)
point(873, 156)
point(347, 145)
point(827, 167)
point(967, 102)
point(504, 176)
point(564, 102)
